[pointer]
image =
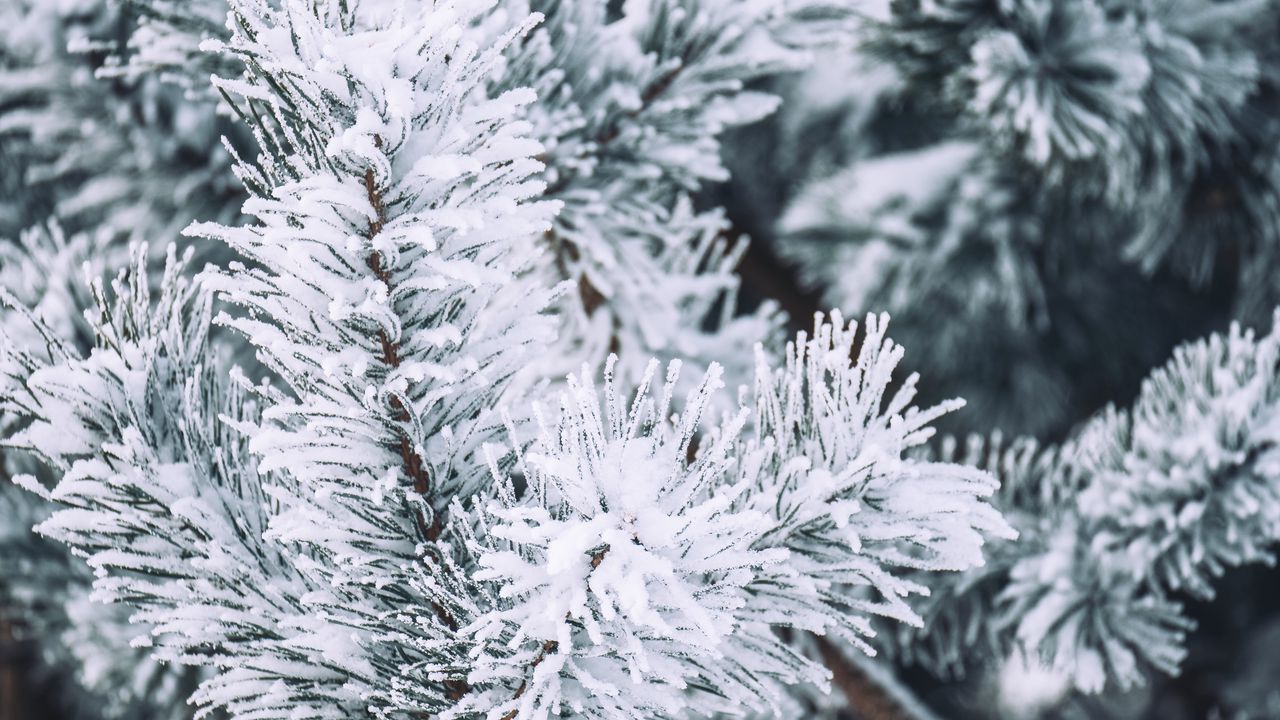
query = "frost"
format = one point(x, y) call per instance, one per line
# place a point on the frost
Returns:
point(630, 549)
point(376, 514)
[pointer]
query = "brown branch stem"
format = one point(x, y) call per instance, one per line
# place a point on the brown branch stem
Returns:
point(547, 648)
point(867, 700)
point(412, 463)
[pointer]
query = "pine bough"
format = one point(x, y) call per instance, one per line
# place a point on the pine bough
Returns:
point(391, 521)
point(370, 531)
point(1140, 509)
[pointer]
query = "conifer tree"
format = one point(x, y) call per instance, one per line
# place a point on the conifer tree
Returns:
point(392, 359)
point(348, 547)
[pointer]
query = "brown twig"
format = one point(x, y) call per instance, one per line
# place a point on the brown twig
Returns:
point(547, 648)
point(411, 461)
point(414, 468)
point(613, 130)
point(597, 557)
point(867, 699)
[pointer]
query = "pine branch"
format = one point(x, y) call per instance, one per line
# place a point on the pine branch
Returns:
point(730, 542)
point(412, 463)
point(633, 109)
point(600, 142)
point(397, 330)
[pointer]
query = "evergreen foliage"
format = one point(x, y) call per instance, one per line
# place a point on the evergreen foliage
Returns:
point(1064, 175)
point(1139, 511)
point(391, 359)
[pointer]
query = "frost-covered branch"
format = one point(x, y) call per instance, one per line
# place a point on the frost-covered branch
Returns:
point(81, 647)
point(348, 539)
point(1139, 510)
point(160, 494)
point(631, 113)
point(395, 208)
point(1143, 109)
point(632, 104)
point(127, 159)
point(633, 557)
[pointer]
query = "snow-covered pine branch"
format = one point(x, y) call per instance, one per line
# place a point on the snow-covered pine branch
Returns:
point(385, 563)
point(830, 462)
point(396, 211)
point(1150, 113)
point(1184, 487)
point(962, 615)
point(623, 566)
point(165, 43)
point(1108, 142)
point(652, 559)
point(42, 275)
point(159, 493)
point(1136, 512)
point(632, 106)
point(393, 208)
point(82, 647)
point(128, 159)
